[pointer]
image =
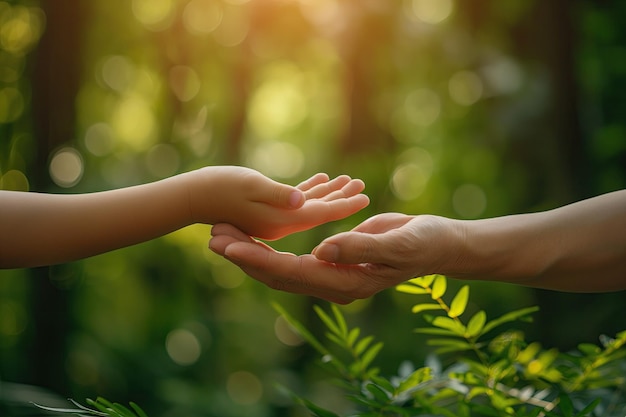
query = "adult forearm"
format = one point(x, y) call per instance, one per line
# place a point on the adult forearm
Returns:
point(41, 229)
point(579, 247)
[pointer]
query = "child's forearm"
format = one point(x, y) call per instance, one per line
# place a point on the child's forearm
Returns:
point(41, 229)
point(579, 247)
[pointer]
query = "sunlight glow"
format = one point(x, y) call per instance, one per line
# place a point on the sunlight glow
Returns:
point(244, 387)
point(66, 167)
point(411, 176)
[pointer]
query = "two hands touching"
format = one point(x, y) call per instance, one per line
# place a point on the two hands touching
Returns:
point(579, 247)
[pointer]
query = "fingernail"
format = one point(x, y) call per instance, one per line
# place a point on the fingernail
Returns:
point(328, 252)
point(295, 199)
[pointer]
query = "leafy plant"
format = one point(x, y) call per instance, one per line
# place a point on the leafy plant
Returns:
point(101, 406)
point(493, 374)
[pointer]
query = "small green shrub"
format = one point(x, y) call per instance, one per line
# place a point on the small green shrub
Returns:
point(491, 374)
point(101, 407)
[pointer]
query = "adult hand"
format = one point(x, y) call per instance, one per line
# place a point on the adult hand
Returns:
point(381, 252)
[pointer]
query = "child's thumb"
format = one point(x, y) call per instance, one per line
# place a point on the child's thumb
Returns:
point(286, 196)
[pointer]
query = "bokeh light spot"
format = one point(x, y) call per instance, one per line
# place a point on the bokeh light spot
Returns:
point(285, 333)
point(13, 319)
point(183, 347)
point(202, 16)
point(163, 160)
point(20, 28)
point(14, 180)
point(99, 139)
point(277, 159)
point(184, 82)
point(11, 104)
point(465, 88)
point(66, 167)
point(233, 29)
point(422, 107)
point(117, 72)
point(244, 387)
point(432, 11)
point(408, 181)
point(279, 103)
point(469, 201)
point(133, 122)
point(155, 14)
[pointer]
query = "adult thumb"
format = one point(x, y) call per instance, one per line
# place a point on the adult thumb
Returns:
point(351, 248)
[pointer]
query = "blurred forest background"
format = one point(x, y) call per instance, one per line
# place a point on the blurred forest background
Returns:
point(467, 109)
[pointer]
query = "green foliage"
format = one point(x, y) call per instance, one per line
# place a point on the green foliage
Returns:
point(101, 407)
point(488, 373)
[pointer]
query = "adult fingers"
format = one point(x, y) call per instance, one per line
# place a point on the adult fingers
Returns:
point(287, 272)
point(225, 234)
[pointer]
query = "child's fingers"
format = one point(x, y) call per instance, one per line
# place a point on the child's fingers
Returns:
point(322, 190)
point(316, 179)
point(320, 211)
point(352, 188)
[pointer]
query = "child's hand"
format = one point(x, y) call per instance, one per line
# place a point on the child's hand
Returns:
point(267, 209)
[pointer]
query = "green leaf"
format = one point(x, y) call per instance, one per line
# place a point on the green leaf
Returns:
point(138, 410)
point(424, 281)
point(439, 287)
point(512, 316)
point(435, 331)
point(341, 321)
point(301, 330)
point(476, 324)
point(450, 344)
point(353, 336)
point(459, 302)
point(370, 355)
point(328, 322)
point(417, 377)
point(363, 344)
point(381, 395)
point(450, 324)
point(411, 289)
point(418, 308)
point(316, 410)
point(589, 408)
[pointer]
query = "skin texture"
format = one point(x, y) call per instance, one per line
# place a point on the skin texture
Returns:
point(42, 229)
point(580, 247)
